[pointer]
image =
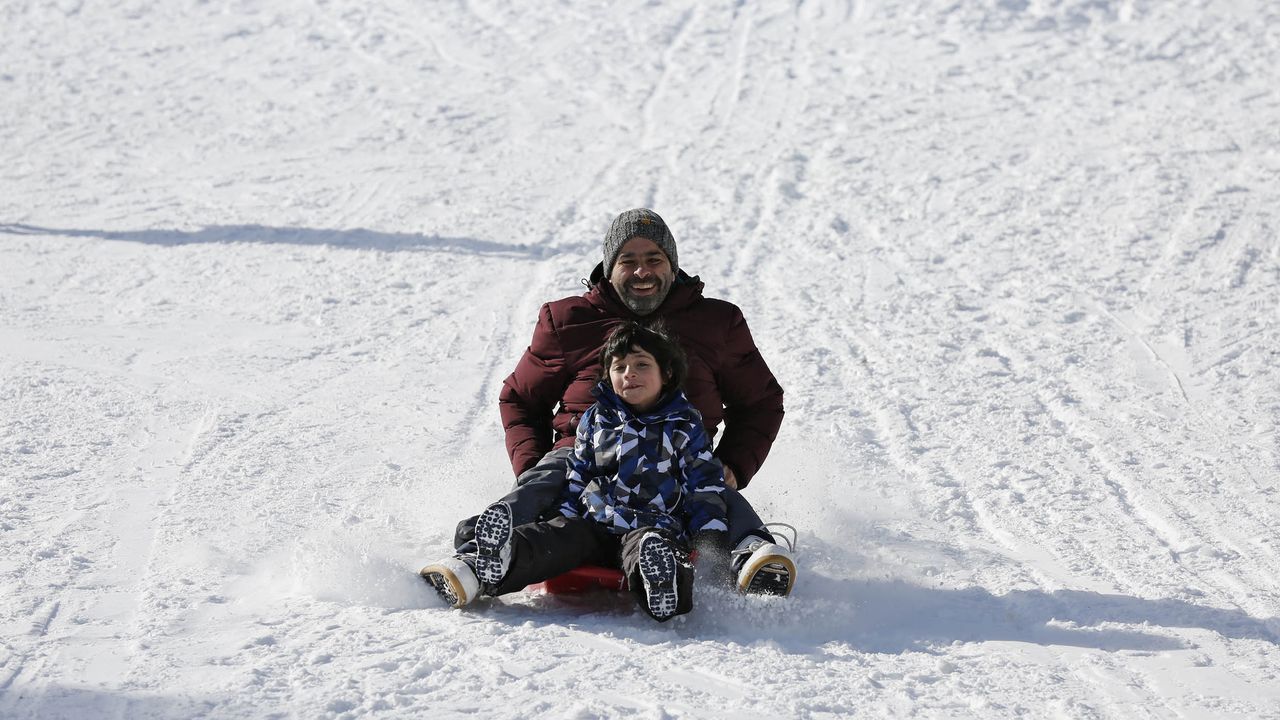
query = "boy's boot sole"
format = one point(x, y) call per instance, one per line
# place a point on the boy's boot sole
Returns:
point(658, 571)
point(493, 544)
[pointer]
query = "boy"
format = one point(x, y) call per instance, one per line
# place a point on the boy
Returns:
point(643, 486)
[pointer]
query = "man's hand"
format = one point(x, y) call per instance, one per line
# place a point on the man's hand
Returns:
point(729, 479)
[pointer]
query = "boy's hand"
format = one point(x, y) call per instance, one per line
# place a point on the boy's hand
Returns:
point(730, 480)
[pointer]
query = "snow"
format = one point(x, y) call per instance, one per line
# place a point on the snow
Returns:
point(263, 268)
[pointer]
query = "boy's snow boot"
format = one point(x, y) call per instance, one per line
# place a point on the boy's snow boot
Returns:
point(454, 579)
point(493, 544)
point(763, 567)
point(658, 571)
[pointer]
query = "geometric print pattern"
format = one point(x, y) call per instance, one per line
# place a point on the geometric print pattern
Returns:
point(652, 469)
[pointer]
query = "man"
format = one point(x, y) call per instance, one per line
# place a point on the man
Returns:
point(728, 382)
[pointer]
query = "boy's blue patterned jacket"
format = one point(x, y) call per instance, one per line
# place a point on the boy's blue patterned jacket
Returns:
point(655, 468)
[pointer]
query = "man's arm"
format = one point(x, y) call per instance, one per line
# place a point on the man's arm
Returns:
point(752, 401)
point(529, 396)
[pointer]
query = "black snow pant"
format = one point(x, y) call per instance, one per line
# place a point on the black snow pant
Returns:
point(542, 550)
point(538, 492)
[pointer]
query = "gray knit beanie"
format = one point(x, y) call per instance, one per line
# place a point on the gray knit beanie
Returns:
point(645, 223)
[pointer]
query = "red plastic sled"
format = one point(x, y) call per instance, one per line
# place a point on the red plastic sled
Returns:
point(586, 578)
point(583, 578)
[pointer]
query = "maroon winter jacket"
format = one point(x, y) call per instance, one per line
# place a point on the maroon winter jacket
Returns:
point(728, 380)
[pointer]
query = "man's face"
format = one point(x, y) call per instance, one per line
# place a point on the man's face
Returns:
point(642, 275)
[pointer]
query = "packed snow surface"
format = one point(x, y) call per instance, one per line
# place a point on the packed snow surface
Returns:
point(264, 266)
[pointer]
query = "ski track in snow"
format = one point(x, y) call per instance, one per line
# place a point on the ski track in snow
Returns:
point(264, 268)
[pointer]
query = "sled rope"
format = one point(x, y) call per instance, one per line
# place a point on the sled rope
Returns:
point(791, 541)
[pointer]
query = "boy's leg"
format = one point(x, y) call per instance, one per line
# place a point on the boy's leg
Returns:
point(543, 550)
point(493, 543)
point(507, 558)
point(658, 571)
point(466, 576)
point(537, 491)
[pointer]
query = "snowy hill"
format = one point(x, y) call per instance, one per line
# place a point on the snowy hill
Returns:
point(264, 265)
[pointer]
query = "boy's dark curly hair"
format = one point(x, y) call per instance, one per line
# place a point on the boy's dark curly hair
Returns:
point(654, 340)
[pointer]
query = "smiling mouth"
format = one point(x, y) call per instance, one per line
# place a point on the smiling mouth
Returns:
point(643, 288)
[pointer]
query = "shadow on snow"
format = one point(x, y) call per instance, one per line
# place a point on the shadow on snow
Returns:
point(72, 703)
point(353, 238)
point(892, 616)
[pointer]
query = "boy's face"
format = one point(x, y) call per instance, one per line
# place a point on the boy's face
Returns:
point(636, 379)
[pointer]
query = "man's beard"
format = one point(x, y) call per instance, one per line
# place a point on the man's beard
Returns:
point(648, 303)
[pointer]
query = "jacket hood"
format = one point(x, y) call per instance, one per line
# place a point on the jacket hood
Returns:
point(671, 403)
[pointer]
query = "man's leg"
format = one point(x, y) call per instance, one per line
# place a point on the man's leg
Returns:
point(537, 491)
point(742, 518)
point(760, 564)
